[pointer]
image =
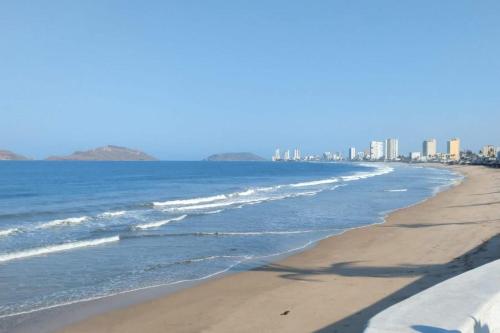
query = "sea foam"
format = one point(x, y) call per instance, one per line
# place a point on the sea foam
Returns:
point(56, 248)
point(64, 222)
point(159, 223)
point(112, 214)
point(7, 232)
point(190, 201)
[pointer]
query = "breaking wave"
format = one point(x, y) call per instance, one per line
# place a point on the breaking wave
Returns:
point(112, 214)
point(56, 248)
point(397, 190)
point(159, 223)
point(10, 231)
point(189, 201)
point(64, 222)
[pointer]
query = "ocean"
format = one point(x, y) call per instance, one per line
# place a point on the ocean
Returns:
point(72, 231)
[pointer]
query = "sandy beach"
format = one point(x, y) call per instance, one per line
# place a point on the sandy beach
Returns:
point(341, 282)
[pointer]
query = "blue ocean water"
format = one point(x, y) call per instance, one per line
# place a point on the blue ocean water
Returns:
point(80, 230)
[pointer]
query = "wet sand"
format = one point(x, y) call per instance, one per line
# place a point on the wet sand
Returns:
point(344, 280)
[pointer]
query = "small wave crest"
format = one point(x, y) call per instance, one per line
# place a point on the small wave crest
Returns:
point(397, 190)
point(112, 214)
point(316, 182)
point(159, 223)
point(7, 232)
point(64, 222)
point(194, 201)
point(56, 248)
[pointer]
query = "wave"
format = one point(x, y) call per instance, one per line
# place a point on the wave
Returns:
point(258, 195)
point(10, 231)
point(190, 201)
point(64, 222)
point(397, 190)
point(112, 214)
point(159, 223)
point(364, 174)
point(56, 248)
point(316, 182)
point(215, 211)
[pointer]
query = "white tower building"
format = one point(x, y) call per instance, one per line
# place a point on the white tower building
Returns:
point(352, 153)
point(277, 155)
point(287, 155)
point(376, 150)
point(296, 154)
point(391, 149)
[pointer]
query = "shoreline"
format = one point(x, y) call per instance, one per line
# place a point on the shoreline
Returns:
point(102, 319)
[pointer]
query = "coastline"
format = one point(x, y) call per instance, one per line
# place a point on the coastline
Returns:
point(294, 284)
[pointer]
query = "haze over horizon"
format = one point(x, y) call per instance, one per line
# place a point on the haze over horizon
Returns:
point(183, 80)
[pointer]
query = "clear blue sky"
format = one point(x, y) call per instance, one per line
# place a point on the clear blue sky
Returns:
point(184, 79)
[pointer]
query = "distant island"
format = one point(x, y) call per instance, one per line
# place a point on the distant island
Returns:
point(235, 157)
point(6, 155)
point(106, 153)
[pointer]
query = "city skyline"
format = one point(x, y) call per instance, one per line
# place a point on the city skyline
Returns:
point(342, 73)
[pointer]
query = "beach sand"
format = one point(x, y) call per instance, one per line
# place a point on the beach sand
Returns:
point(338, 285)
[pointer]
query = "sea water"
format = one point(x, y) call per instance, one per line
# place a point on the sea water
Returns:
point(72, 231)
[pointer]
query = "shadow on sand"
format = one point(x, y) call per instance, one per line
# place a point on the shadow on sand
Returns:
point(431, 275)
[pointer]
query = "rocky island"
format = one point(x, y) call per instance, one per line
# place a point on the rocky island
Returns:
point(6, 155)
point(235, 157)
point(106, 153)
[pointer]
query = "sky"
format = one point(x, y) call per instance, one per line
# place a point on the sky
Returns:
point(185, 79)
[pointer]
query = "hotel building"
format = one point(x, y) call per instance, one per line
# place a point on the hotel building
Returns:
point(391, 149)
point(352, 153)
point(376, 150)
point(454, 149)
point(429, 149)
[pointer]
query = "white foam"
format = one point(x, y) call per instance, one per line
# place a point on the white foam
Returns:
point(214, 205)
point(113, 214)
point(397, 190)
point(7, 232)
point(247, 192)
point(215, 211)
point(381, 170)
point(64, 222)
point(190, 201)
point(316, 182)
point(159, 223)
point(56, 248)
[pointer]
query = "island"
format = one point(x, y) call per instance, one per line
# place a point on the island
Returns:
point(106, 153)
point(7, 155)
point(234, 157)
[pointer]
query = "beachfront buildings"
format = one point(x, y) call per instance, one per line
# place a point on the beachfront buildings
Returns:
point(277, 155)
point(376, 150)
point(391, 149)
point(352, 153)
point(296, 154)
point(454, 149)
point(489, 151)
point(415, 156)
point(429, 148)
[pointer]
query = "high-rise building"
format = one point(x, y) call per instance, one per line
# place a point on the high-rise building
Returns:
point(352, 153)
point(429, 148)
point(391, 149)
point(454, 149)
point(296, 154)
point(277, 155)
point(286, 157)
point(376, 150)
